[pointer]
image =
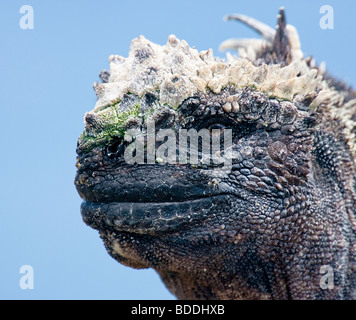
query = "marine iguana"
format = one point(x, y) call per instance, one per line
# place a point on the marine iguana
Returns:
point(281, 223)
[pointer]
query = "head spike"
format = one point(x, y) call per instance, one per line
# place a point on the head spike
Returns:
point(280, 46)
point(247, 48)
point(263, 29)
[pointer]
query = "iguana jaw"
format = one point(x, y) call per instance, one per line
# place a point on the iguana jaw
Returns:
point(151, 218)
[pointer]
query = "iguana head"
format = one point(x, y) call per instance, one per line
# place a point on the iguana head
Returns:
point(220, 174)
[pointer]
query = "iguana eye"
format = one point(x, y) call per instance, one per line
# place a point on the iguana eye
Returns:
point(217, 129)
point(216, 126)
point(216, 123)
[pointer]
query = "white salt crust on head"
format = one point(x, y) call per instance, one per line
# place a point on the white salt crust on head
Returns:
point(176, 71)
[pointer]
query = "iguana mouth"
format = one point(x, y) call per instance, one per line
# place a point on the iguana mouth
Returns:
point(147, 199)
point(150, 217)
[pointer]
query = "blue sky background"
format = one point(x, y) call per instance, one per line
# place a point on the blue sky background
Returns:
point(46, 87)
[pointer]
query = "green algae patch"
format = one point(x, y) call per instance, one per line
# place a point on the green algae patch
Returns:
point(103, 126)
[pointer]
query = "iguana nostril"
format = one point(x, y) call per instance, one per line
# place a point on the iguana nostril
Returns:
point(115, 148)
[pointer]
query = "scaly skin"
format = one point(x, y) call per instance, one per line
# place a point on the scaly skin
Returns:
point(267, 228)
